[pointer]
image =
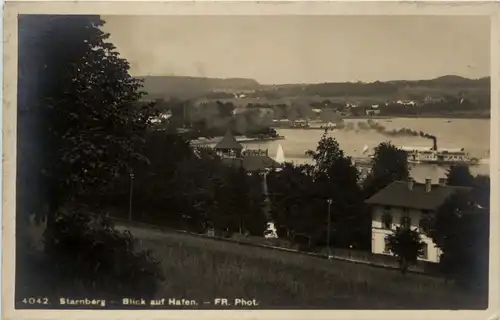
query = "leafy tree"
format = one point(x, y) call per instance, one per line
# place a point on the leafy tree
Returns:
point(459, 175)
point(242, 202)
point(482, 191)
point(337, 178)
point(389, 164)
point(300, 196)
point(199, 193)
point(84, 103)
point(254, 219)
point(290, 192)
point(155, 185)
point(406, 245)
point(461, 231)
point(80, 126)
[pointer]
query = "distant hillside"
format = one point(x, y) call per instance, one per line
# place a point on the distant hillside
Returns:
point(398, 89)
point(213, 88)
point(189, 87)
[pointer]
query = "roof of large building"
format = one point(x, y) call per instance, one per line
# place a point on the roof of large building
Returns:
point(256, 163)
point(398, 194)
point(229, 142)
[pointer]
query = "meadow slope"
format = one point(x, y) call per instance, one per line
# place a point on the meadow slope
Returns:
point(200, 268)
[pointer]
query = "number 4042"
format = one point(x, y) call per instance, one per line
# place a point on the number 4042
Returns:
point(36, 300)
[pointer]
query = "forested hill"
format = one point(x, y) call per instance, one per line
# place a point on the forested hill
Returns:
point(198, 87)
point(188, 87)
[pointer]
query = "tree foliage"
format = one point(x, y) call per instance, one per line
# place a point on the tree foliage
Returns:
point(292, 195)
point(462, 177)
point(80, 126)
point(86, 97)
point(461, 230)
point(93, 250)
point(300, 195)
point(406, 245)
point(389, 164)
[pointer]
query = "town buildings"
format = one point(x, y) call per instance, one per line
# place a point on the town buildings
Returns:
point(408, 204)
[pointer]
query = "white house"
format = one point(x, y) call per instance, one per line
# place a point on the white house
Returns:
point(408, 204)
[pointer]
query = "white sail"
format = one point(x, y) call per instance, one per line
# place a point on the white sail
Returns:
point(365, 149)
point(280, 155)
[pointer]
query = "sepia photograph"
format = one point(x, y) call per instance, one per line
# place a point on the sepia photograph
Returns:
point(252, 162)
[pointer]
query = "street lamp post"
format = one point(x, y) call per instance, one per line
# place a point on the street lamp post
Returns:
point(130, 196)
point(329, 201)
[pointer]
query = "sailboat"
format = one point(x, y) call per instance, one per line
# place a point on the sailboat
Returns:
point(280, 155)
point(365, 149)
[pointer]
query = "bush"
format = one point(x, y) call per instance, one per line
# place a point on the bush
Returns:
point(406, 245)
point(91, 259)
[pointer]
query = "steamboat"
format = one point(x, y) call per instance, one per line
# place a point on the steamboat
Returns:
point(426, 155)
point(433, 155)
point(291, 124)
point(302, 124)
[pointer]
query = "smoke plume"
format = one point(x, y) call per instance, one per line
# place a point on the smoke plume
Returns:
point(223, 116)
point(371, 125)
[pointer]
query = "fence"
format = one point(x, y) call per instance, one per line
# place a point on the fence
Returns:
point(354, 256)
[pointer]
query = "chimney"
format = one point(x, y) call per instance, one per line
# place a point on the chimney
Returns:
point(434, 144)
point(442, 182)
point(410, 183)
point(428, 185)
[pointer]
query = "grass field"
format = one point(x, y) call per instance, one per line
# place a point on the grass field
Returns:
point(200, 268)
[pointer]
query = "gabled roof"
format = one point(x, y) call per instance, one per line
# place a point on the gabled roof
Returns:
point(256, 163)
point(229, 142)
point(397, 194)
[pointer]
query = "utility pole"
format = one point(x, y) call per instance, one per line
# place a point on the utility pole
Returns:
point(130, 196)
point(329, 201)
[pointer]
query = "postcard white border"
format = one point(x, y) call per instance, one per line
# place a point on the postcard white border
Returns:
point(13, 8)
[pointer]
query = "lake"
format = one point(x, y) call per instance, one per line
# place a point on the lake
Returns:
point(471, 134)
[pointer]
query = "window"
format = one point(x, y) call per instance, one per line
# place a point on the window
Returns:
point(387, 246)
point(406, 222)
point(386, 220)
point(425, 251)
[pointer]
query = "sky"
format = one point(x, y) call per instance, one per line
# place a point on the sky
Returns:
point(304, 49)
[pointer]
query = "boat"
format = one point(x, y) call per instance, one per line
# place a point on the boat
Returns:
point(292, 124)
point(281, 123)
point(365, 149)
point(299, 124)
point(329, 125)
point(441, 157)
point(433, 155)
point(426, 155)
point(259, 138)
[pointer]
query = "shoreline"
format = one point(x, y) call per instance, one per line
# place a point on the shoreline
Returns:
point(240, 139)
point(485, 117)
